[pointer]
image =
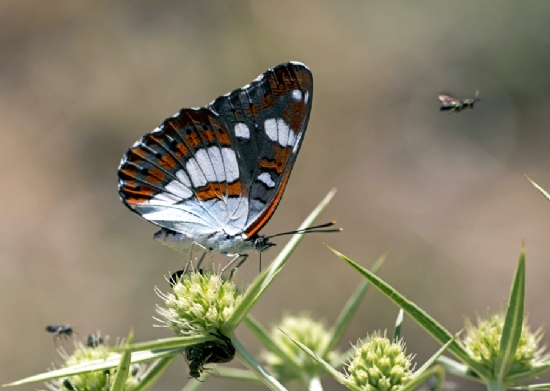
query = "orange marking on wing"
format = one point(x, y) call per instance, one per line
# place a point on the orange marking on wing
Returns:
point(193, 139)
point(173, 123)
point(266, 215)
point(213, 121)
point(266, 101)
point(276, 88)
point(136, 155)
point(223, 136)
point(155, 175)
point(253, 110)
point(153, 140)
point(167, 162)
point(281, 155)
point(294, 116)
point(128, 173)
point(236, 189)
point(208, 134)
point(181, 150)
point(139, 195)
point(304, 79)
point(220, 189)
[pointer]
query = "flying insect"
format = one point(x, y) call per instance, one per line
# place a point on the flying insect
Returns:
point(453, 105)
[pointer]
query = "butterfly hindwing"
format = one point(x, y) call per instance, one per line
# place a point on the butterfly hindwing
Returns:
point(268, 119)
point(184, 174)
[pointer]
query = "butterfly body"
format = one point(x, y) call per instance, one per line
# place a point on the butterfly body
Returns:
point(453, 105)
point(220, 241)
point(213, 176)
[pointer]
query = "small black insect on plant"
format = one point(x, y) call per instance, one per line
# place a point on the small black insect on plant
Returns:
point(94, 340)
point(453, 105)
point(208, 353)
point(60, 331)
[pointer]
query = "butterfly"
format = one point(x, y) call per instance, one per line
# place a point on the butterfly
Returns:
point(213, 176)
point(451, 104)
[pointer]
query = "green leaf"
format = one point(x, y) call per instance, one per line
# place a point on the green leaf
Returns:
point(432, 359)
point(153, 372)
point(350, 309)
point(457, 369)
point(264, 337)
point(166, 343)
point(527, 374)
point(544, 193)
point(250, 362)
point(119, 380)
point(237, 374)
point(436, 371)
point(193, 384)
point(398, 324)
point(422, 318)
point(513, 323)
point(262, 282)
point(335, 374)
point(540, 386)
point(96, 365)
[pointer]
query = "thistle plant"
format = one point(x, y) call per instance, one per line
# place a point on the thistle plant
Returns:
point(94, 350)
point(200, 303)
point(482, 341)
point(379, 364)
point(311, 333)
point(203, 309)
point(500, 352)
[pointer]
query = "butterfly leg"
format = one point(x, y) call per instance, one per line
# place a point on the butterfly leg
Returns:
point(234, 269)
point(200, 261)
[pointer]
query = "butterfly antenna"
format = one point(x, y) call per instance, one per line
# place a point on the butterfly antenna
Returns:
point(309, 230)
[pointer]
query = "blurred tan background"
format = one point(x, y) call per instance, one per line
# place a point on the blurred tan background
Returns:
point(81, 81)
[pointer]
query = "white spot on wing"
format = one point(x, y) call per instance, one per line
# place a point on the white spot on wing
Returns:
point(176, 188)
point(291, 139)
point(203, 160)
point(270, 127)
point(197, 177)
point(164, 198)
point(230, 164)
point(306, 98)
point(277, 130)
point(297, 95)
point(265, 178)
point(242, 131)
point(217, 162)
point(183, 178)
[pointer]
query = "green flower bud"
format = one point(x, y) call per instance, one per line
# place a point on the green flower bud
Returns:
point(200, 303)
point(311, 333)
point(482, 342)
point(93, 381)
point(379, 364)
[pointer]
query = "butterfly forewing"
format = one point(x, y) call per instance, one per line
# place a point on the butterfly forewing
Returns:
point(268, 119)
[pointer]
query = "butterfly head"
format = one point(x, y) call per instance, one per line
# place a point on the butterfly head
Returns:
point(262, 243)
